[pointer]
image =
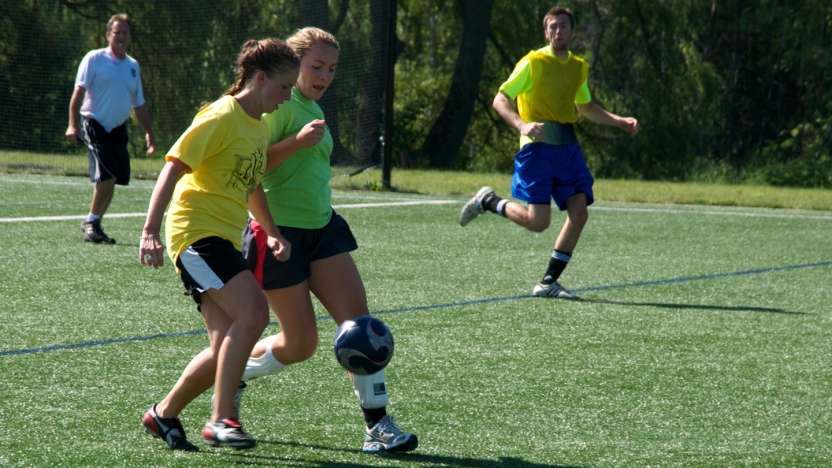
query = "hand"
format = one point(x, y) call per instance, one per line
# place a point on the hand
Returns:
point(312, 133)
point(629, 125)
point(151, 250)
point(151, 143)
point(533, 130)
point(72, 134)
point(281, 248)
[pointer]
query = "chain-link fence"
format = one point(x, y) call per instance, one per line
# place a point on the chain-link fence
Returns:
point(186, 51)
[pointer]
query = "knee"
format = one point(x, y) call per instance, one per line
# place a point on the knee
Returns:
point(538, 225)
point(579, 218)
point(301, 348)
point(254, 321)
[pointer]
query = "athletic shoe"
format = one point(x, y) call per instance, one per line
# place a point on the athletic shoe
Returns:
point(386, 436)
point(474, 207)
point(238, 398)
point(227, 433)
point(94, 233)
point(168, 429)
point(553, 290)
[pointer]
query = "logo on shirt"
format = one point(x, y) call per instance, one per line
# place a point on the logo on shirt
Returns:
point(248, 170)
point(133, 72)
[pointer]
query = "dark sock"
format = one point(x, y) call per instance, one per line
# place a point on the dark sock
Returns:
point(494, 204)
point(373, 416)
point(557, 263)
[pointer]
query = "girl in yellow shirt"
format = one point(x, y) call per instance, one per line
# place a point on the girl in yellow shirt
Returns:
point(209, 175)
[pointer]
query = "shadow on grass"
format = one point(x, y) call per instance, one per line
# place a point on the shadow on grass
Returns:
point(422, 460)
point(697, 306)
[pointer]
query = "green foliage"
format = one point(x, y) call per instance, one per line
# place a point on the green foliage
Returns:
point(735, 90)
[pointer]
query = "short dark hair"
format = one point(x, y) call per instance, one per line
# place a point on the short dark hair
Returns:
point(555, 11)
point(119, 18)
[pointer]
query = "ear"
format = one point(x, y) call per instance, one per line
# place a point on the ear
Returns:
point(260, 77)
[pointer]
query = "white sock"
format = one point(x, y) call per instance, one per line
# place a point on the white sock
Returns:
point(92, 217)
point(266, 364)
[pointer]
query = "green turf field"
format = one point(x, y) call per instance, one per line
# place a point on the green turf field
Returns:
point(703, 339)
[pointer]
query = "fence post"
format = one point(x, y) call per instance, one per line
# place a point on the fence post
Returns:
point(389, 95)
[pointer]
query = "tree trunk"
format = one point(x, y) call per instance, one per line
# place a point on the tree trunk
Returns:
point(448, 131)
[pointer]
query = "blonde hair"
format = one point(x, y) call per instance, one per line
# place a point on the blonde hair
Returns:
point(272, 56)
point(303, 39)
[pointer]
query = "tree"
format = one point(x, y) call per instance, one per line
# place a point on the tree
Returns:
point(448, 131)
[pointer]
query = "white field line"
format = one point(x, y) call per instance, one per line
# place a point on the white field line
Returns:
point(74, 184)
point(451, 202)
point(142, 215)
point(711, 212)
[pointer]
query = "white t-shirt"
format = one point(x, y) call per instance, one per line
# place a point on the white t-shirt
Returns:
point(114, 87)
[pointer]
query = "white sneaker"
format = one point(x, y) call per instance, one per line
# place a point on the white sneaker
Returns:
point(386, 436)
point(227, 433)
point(474, 207)
point(553, 290)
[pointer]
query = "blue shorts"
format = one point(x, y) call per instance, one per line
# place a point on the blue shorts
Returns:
point(308, 245)
point(543, 172)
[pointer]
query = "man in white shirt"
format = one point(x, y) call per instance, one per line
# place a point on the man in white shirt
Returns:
point(107, 87)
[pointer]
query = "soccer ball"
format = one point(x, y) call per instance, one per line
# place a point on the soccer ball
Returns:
point(363, 345)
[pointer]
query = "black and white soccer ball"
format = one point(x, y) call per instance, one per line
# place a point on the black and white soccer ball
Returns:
point(363, 345)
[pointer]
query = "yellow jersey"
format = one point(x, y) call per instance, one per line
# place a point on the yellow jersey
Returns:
point(547, 88)
point(225, 149)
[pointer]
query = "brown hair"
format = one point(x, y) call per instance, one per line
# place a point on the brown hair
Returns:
point(272, 56)
point(119, 18)
point(555, 11)
point(303, 40)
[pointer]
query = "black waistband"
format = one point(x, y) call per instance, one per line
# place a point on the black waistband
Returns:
point(557, 133)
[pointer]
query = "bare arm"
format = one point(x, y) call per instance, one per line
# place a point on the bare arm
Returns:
point(144, 120)
point(595, 113)
point(151, 250)
point(505, 107)
point(75, 113)
point(259, 208)
point(310, 135)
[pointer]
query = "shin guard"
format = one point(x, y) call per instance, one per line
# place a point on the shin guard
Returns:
point(371, 390)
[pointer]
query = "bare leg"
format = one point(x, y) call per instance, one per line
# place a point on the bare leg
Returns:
point(102, 196)
point(576, 218)
point(298, 337)
point(243, 301)
point(535, 218)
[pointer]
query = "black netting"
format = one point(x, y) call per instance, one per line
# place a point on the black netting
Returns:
point(186, 50)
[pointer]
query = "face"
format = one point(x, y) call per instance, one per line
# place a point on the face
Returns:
point(276, 90)
point(559, 32)
point(119, 38)
point(317, 69)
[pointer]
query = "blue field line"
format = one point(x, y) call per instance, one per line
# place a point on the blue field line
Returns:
point(758, 271)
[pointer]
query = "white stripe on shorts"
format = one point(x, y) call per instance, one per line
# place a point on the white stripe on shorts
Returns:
point(199, 270)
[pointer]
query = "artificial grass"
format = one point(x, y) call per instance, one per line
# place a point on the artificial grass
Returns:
point(699, 370)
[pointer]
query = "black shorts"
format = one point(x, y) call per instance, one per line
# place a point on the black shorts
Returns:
point(107, 152)
point(308, 245)
point(209, 263)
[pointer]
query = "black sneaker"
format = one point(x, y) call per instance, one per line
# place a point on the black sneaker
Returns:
point(94, 233)
point(168, 429)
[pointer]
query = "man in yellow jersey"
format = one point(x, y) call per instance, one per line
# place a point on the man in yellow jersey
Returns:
point(548, 84)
